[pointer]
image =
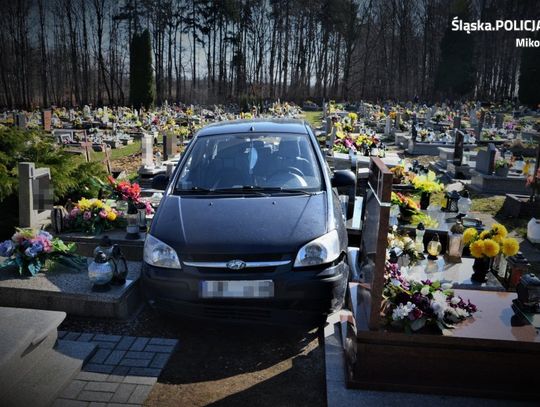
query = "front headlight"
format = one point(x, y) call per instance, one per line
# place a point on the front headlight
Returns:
point(324, 249)
point(159, 254)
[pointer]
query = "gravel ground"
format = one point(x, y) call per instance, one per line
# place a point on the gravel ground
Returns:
point(227, 364)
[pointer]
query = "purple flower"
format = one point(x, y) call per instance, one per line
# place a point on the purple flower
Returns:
point(45, 234)
point(6, 248)
point(87, 215)
point(34, 250)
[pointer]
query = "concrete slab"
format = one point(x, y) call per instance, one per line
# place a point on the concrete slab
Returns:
point(71, 293)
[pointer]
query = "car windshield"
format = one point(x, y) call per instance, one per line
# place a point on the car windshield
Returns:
point(251, 162)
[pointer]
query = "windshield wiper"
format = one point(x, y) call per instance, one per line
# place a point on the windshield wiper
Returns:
point(269, 190)
point(243, 189)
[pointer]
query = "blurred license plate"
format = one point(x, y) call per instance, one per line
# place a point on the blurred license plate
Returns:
point(237, 289)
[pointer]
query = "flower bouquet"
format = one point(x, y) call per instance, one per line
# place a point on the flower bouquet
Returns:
point(92, 216)
point(407, 207)
point(412, 305)
point(427, 183)
point(486, 245)
point(33, 251)
point(127, 191)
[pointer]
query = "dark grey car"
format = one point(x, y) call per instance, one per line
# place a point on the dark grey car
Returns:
point(249, 227)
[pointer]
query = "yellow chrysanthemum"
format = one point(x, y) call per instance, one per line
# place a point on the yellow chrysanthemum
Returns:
point(484, 234)
point(84, 204)
point(111, 216)
point(96, 203)
point(491, 248)
point(499, 230)
point(510, 246)
point(469, 235)
point(477, 248)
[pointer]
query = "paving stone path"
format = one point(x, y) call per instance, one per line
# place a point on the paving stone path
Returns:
point(121, 372)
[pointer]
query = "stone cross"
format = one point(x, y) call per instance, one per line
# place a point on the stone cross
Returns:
point(35, 195)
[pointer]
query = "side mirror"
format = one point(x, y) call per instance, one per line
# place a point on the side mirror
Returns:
point(343, 178)
point(160, 182)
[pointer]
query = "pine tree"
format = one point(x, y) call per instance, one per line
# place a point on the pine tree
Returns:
point(455, 73)
point(529, 74)
point(141, 83)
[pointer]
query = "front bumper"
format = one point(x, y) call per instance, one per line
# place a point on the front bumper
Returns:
point(299, 296)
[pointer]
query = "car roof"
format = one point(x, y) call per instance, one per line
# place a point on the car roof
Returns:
point(256, 126)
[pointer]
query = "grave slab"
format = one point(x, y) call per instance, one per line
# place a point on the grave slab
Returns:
point(71, 292)
point(495, 185)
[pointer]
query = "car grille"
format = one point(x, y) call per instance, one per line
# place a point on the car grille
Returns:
point(255, 263)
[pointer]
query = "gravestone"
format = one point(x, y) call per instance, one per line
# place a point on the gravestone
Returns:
point(458, 147)
point(499, 117)
point(387, 126)
point(480, 124)
point(472, 117)
point(397, 121)
point(147, 151)
point(19, 120)
point(46, 119)
point(169, 146)
point(35, 195)
point(485, 160)
point(457, 122)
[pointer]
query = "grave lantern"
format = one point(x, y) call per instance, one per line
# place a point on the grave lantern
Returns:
point(452, 199)
point(132, 228)
point(434, 247)
point(455, 242)
point(464, 203)
point(419, 238)
point(516, 266)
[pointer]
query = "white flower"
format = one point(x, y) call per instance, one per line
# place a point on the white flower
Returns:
point(402, 311)
point(439, 304)
point(455, 300)
point(425, 290)
point(395, 282)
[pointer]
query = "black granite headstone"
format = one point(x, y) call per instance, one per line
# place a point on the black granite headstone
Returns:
point(499, 117)
point(457, 122)
point(458, 146)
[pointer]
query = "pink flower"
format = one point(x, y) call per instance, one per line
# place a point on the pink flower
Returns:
point(102, 214)
point(74, 212)
point(87, 215)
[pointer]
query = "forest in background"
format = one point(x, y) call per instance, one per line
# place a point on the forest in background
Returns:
point(76, 52)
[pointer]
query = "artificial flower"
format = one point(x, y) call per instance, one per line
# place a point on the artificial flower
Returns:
point(469, 235)
point(491, 248)
point(510, 246)
point(477, 248)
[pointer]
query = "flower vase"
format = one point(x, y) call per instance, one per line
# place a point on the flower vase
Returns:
point(481, 268)
point(502, 171)
point(424, 200)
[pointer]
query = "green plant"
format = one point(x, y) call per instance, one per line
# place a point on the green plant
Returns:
point(70, 174)
point(502, 163)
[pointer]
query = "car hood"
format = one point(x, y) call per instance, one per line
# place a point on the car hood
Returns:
point(246, 224)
